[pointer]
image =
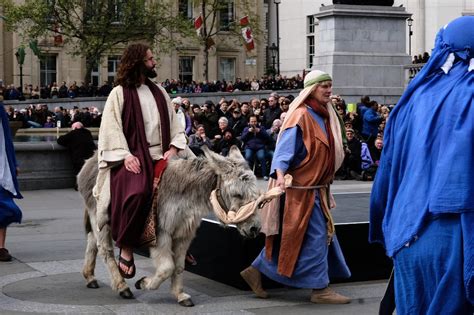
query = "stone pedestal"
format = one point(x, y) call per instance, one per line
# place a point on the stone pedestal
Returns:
point(364, 49)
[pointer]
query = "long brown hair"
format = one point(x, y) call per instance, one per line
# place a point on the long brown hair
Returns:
point(132, 65)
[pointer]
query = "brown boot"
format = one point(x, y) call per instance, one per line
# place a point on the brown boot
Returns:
point(254, 279)
point(328, 296)
point(5, 255)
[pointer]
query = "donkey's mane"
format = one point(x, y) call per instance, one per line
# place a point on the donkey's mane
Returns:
point(183, 173)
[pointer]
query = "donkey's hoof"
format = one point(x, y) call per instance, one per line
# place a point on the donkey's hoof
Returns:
point(138, 284)
point(93, 284)
point(126, 294)
point(186, 303)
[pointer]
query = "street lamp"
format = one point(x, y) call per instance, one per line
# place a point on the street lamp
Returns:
point(273, 52)
point(20, 58)
point(410, 33)
point(277, 3)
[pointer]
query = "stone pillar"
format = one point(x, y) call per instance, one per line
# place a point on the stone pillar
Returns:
point(364, 49)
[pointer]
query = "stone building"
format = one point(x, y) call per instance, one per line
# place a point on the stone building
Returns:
point(299, 29)
point(228, 58)
point(367, 49)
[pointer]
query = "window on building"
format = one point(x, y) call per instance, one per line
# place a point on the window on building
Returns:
point(116, 10)
point(90, 9)
point(311, 24)
point(186, 69)
point(226, 14)
point(311, 40)
point(95, 75)
point(50, 4)
point(186, 8)
point(311, 52)
point(48, 70)
point(227, 69)
point(112, 67)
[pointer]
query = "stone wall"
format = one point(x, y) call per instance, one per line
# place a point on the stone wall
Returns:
point(43, 165)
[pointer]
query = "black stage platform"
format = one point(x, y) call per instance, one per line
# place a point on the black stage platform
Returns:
point(221, 253)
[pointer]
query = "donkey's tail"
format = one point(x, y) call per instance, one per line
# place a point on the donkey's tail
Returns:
point(87, 222)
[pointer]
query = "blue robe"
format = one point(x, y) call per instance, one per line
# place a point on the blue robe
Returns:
point(426, 176)
point(9, 211)
point(317, 261)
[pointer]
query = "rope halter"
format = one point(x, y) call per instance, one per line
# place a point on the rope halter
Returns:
point(245, 211)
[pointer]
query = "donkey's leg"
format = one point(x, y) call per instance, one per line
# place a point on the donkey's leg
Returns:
point(162, 257)
point(106, 251)
point(90, 260)
point(180, 247)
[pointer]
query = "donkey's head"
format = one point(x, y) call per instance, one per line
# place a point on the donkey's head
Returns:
point(236, 186)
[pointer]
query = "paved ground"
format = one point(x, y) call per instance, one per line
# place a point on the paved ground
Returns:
point(48, 249)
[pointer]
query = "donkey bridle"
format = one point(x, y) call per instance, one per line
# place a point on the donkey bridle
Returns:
point(220, 200)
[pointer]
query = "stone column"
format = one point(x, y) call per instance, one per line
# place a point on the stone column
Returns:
point(364, 49)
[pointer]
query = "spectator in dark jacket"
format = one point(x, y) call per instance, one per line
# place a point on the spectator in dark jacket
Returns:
point(272, 112)
point(237, 122)
point(223, 145)
point(207, 117)
point(199, 139)
point(352, 159)
point(255, 139)
point(80, 144)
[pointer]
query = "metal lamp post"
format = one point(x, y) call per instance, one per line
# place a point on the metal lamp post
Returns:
point(273, 51)
point(410, 33)
point(277, 3)
point(20, 58)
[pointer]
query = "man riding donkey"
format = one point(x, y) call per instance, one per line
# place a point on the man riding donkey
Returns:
point(138, 134)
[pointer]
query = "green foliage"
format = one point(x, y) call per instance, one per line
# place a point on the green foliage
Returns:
point(91, 28)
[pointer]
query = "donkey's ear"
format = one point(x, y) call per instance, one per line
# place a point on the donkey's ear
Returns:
point(206, 150)
point(234, 153)
point(220, 163)
point(247, 176)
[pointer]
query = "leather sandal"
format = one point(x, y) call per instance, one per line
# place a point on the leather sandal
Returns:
point(129, 264)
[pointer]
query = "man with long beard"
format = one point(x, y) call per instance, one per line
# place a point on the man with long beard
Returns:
point(139, 128)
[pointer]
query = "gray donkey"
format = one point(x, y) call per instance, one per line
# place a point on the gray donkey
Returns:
point(183, 200)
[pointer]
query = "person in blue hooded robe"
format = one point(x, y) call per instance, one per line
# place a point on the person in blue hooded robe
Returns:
point(9, 211)
point(422, 201)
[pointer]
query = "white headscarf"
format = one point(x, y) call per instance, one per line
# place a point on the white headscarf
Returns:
point(311, 81)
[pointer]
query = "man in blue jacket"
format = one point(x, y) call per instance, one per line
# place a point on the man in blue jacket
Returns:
point(255, 138)
point(370, 124)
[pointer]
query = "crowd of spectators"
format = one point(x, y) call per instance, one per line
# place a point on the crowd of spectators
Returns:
point(254, 126)
point(265, 83)
point(40, 116)
point(364, 124)
point(73, 90)
point(421, 58)
point(251, 125)
point(53, 91)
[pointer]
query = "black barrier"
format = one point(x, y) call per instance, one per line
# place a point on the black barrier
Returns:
point(221, 253)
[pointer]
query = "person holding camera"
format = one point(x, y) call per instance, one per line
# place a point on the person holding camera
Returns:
point(255, 138)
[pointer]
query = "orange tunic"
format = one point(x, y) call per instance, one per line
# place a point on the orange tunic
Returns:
point(312, 171)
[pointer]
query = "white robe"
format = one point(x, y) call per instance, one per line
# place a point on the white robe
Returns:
point(113, 147)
